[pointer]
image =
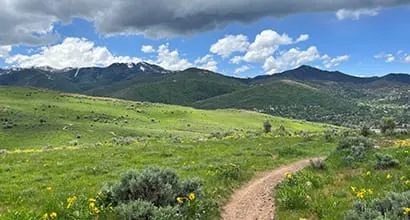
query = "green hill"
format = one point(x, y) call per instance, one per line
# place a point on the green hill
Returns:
point(303, 93)
point(55, 146)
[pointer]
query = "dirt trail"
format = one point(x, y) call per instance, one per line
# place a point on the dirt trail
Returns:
point(255, 200)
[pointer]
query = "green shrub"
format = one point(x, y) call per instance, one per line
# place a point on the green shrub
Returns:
point(142, 210)
point(387, 126)
point(348, 142)
point(318, 164)
point(354, 149)
point(391, 206)
point(153, 194)
point(385, 161)
point(161, 187)
point(267, 126)
point(365, 131)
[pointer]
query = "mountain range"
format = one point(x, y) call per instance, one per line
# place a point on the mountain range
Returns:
point(302, 93)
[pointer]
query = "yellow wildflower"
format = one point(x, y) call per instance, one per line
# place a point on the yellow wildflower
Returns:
point(191, 196)
point(407, 182)
point(70, 201)
point(388, 176)
point(92, 205)
point(96, 210)
point(368, 173)
point(402, 178)
point(91, 200)
point(45, 216)
point(180, 200)
point(370, 191)
point(360, 195)
point(53, 215)
point(406, 211)
point(49, 188)
point(353, 188)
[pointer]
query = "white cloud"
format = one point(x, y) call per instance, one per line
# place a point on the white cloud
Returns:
point(230, 44)
point(329, 62)
point(147, 49)
point(265, 44)
point(355, 14)
point(290, 59)
point(242, 69)
point(302, 37)
point(170, 59)
point(4, 51)
point(407, 59)
point(207, 62)
point(236, 60)
point(388, 57)
point(72, 52)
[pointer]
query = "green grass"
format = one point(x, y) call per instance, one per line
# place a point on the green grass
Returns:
point(162, 135)
point(331, 196)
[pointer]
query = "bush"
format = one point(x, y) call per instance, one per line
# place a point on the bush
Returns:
point(354, 149)
point(387, 126)
point(348, 142)
point(153, 194)
point(385, 161)
point(142, 210)
point(282, 131)
point(318, 164)
point(365, 131)
point(161, 187)
point(390, 207)
point(267, 126)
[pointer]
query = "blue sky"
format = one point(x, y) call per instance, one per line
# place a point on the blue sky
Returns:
point(358, 41)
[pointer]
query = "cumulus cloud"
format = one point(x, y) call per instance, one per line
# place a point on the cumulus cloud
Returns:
point(147, 49)
point(292, 58)
point(399, 56)
point(72, 52)
point(29, 21)
point(355, 14)
point(265, 44)
point(207, 62)
point(4, 51)
point(242, 69)
point(169, 59)
point(236, 60)
point(230, 44)
point(302, 37)
point(330, 62)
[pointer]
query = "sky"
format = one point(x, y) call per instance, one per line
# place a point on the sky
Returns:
point(241, 38)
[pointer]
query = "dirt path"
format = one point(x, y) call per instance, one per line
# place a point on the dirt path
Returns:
point(255, 200)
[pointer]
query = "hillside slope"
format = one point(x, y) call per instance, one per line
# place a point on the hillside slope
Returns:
point(36, 118)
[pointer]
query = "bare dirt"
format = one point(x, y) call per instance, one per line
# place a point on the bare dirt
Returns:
point(255, 200)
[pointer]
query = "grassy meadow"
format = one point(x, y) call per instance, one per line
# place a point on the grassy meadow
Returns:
point(55, 146)
point(351, 184)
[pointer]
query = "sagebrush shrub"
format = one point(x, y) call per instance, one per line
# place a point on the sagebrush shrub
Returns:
point(390, 207)
point(348, 142)
point(154, 193)
point(385, 161)
point(155, 185)
point(267, 126)
point(318, 164)
point(142, 210)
